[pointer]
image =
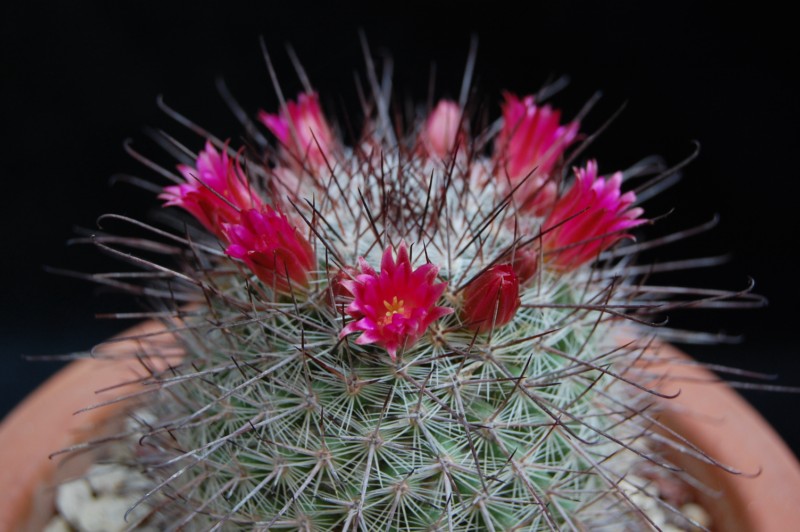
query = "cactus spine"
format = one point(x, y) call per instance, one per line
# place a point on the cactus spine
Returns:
point(518, 412)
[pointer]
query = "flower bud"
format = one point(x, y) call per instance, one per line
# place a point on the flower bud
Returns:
point(591, 216)
point(492, 299)
point(302, 130)
point(530, 147)
point(216, 189)
point(271, 247)
point(526, 262)
point(441, 129)
point(338, 294)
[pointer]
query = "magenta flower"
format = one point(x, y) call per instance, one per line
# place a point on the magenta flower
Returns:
point(302, 130)
point(271, 247)
point(393, 308)
point(589, 218)
point(216, 190)
point(530, 145)
point(492, 299)
point(442, 128)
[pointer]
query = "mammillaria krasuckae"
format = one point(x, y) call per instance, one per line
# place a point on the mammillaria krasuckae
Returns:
point(417, 329)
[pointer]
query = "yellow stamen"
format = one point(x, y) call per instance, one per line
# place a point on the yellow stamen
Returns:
point(395, 307)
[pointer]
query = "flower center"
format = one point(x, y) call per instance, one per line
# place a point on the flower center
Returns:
point(395, 307)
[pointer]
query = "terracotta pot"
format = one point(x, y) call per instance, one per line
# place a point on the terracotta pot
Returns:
point(708, 413)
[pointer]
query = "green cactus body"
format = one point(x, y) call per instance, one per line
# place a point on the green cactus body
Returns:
point(422, 329)
point(275, 422)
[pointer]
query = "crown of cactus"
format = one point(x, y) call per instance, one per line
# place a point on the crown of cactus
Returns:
point(414, 330)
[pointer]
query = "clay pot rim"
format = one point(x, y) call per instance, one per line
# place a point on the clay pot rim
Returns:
point(715, 418)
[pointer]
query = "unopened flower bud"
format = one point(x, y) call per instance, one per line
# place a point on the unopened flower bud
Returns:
point(338, 294)
point(589, 218)
point(273, 249)
point(302, 130)
point(441, 129)
point(526, 262)
point(529, 147)
point(215, 191)
point(492, 299)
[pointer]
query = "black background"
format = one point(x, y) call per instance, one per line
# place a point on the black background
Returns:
point(79, 79)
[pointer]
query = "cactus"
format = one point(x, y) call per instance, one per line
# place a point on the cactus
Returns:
point(420, 329)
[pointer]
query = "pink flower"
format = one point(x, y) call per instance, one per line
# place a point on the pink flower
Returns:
point(492, 299)
point(393, 308)
point(442, 128)
point(271, 247)
point(215, 190)
point(530, 145)
point(302, 130)
point(589, 218)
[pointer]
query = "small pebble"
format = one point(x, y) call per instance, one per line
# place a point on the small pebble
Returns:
point(650, 507)
point(644, 501)
point(696, 513)
point(58, 524)
point(98, 503)
point(116, 479)
point(107, 514)
point(106, 478)
point(71, 498)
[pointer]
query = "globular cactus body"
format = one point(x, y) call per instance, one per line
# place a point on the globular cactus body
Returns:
point(415, 333)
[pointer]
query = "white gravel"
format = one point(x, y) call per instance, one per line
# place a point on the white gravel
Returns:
point(99, 501)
